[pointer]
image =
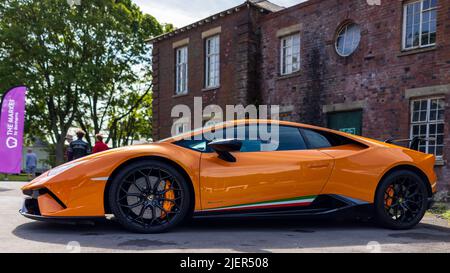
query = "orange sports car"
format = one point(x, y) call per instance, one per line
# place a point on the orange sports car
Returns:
point(235, 170)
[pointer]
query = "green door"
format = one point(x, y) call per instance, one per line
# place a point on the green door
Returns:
point(349, 122)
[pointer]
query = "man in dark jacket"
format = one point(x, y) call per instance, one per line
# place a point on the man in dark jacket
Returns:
point(79, 148)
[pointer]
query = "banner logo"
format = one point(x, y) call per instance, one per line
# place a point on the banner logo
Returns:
point(11, 142)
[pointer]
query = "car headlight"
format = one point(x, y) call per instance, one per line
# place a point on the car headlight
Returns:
point(63, 168)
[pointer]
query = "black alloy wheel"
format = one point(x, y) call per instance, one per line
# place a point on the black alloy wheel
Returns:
point(401, 200)
point(149, 197)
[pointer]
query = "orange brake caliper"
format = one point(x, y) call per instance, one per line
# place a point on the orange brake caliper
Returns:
point(389, 194)
point(169, 195)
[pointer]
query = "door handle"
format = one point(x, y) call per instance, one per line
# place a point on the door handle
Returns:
point(319, 165)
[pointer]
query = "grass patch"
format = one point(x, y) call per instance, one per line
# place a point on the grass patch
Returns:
point(442, 210)
point(446, 215)
point(14, 177)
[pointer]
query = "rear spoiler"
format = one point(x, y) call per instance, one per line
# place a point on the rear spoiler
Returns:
point(413, 142)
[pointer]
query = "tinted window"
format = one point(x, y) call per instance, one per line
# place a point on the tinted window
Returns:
point(249, 134)
point(197, 145)
point(316, 140)
point(321, 139)
point(289, 139)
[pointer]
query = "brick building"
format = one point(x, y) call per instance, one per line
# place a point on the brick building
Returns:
point(377, 70)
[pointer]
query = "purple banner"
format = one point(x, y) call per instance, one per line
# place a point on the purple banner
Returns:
point(11, 130)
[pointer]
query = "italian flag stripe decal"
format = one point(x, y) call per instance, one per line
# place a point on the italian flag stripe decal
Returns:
point(291, 202)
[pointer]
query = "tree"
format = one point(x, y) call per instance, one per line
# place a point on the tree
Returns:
point(81, 63)
point(133, 124)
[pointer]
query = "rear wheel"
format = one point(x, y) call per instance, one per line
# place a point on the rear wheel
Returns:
point(149, 197)
point(401, 200)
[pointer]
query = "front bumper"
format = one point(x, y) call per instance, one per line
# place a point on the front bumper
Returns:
point(30, 209)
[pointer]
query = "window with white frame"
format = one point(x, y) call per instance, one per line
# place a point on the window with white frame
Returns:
point(290, 54)
point(348, 39)
point(181, 70)
point(427, 121)
point(212, 62)
point(419, 26)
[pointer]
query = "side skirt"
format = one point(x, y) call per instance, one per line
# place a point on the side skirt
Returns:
point(323, 205)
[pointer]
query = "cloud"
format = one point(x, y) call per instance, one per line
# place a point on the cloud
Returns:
point(185, 12)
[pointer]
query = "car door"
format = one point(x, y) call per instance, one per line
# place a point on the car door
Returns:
point(290, 175)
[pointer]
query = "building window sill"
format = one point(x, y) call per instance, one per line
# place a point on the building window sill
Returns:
point(288, 76)
point(440, 162)
point(211, 88)
point(407, 52)
point(180, 95)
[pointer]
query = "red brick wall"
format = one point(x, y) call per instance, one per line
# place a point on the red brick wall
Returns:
point(378, 71)
point(239, 47)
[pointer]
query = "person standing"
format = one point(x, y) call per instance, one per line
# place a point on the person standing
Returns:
point(31, 163)
point(79, 148)
point(68, 153)
point(99, 146)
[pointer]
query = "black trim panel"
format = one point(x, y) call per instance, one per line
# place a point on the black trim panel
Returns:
point(322, 205)
point(62, 220)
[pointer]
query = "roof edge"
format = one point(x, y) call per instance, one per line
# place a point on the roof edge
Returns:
point(207, 20)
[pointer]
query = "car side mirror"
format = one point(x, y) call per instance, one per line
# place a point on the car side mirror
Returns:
point(224, 147)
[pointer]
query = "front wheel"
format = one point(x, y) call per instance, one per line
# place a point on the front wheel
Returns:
point(149, 197)
point(401, 200)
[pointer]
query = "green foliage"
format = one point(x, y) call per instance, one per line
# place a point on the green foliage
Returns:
point(442, 210)
point(14, 177)
point(439, 208)
point(86, 65)
point(446, 215)
point(51, 158)
point(168, 27)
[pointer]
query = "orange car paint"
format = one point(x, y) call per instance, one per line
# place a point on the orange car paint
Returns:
point(259, 176)
point(350, 170)
point(48, 205)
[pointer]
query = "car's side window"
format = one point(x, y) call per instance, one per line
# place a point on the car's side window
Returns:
point(249, 144)
point(197, 145)
point(315, 139)
point(288, 139)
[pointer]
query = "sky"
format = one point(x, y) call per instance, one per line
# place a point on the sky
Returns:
point(184, 12)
